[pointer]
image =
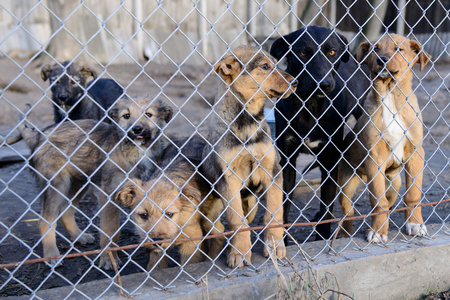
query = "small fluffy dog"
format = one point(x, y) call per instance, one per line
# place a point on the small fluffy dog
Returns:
point(240, 155)
point(71, 156)
point(388, 137)
point(68, 84)
point(175, 205)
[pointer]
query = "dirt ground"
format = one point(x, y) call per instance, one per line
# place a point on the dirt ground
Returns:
point(191, 91)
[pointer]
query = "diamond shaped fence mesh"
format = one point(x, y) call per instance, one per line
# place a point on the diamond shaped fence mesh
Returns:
point(138, 136)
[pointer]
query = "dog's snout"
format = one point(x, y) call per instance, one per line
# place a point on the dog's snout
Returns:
point(63, 97)
point(137, 129)
point(381, 61)
point(325, 84)
point(294, 83)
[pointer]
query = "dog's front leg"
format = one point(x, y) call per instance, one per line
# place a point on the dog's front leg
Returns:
point(109, 233)
point(158, 259)
point(273, 237)
point(328, 161)
point(413, 179)
point(239, 252)
point(213, 225)
point(377, 190)
point(348, 182)
point(47, 227)
point(190, 251)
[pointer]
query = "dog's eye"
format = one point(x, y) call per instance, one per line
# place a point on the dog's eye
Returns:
point(169, 214)
point(143, 216)
point(303, 54)
point(375, 49)
point(332, 52)
point(126, 116)
point(265, 67)
point(149, 115)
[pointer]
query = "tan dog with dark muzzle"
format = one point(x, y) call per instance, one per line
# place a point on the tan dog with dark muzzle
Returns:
point(387, 138)
point(240, 156)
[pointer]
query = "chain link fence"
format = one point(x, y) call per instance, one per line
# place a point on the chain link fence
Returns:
point(163, 57)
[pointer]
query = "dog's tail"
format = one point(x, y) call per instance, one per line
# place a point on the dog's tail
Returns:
point(14, 139)
point(30, 135)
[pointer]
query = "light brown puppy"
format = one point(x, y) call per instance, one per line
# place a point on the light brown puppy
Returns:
point(70, 156)
point(389, 137)
point(175, 205)
point(241, 157)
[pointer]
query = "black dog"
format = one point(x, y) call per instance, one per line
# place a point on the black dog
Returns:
point(312, 120)
point(68, 85)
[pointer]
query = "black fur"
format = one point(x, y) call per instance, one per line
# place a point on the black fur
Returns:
point(191, 148)
point(245, 119)
point(318, 109)
point(105, 92)
point(68, 86)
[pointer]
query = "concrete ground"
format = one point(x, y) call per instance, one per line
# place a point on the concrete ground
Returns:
point(401, 270)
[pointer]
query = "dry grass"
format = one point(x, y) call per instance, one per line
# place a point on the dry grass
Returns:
point(305, 284)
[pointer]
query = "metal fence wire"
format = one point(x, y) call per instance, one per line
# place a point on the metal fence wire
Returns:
point(167, 151)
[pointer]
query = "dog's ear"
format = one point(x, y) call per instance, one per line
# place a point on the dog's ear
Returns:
point(129, 194)
point(422, 57)
point(344, 43)
point(280, 47)
point(283, 45)
point(362, 52)
point(45, 72)
point(192, 194)
point(166, 112)
point(228, 68)
point(87, 71)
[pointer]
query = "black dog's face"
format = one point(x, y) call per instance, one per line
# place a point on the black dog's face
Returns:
point(67, 82)
point(313, 54)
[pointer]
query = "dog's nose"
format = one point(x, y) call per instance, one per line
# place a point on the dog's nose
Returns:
point(294, 83)
point(137, 129)
point(63, 97)
point(325, 84)
point(381, 61)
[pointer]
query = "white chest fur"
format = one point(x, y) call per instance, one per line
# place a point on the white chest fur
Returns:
point(395, 129)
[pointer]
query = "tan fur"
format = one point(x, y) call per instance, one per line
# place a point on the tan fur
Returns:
point(243, 154)
point(174, 207)
point(70, 155)
point(389, 142)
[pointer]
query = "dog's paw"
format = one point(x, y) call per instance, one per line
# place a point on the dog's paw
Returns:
point(280, 250)
point(52, 251)
point(375, 237)
point(55, 263)
point(236, 259)
point(416, 229)
point(85, 238)
point(106, 263)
